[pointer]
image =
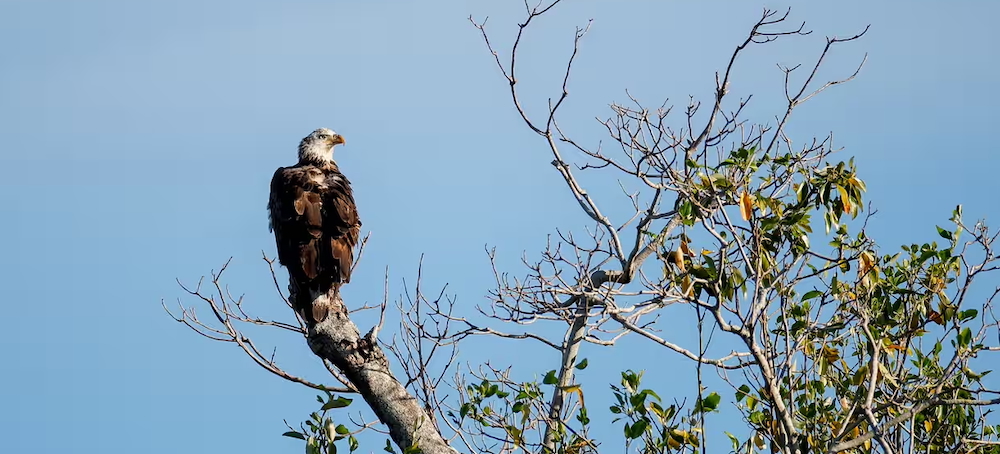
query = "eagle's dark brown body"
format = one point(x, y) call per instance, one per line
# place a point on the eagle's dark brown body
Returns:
point(316, 227)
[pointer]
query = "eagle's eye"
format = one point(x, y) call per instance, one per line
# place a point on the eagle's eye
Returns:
point(323, 136)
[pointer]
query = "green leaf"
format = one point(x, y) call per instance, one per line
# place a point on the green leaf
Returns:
point(742, 392)
point(582, 364)
point(343, 430)
point(802, 192)
point(965, 337)
point(709, 403)
point(514, 433)
point(736, 441)
point(944, 233)
point(638, 401)
point(294, 434)
point(388, 447)
point(550, 378)
point(636, 430)
point(811, 294)
point(339, 402)
point(957, 214)
point(686, 211)
point(353, 443)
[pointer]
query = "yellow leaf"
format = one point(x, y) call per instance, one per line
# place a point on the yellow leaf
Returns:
point(928, 425)
point(685, 249)
point(746, 206)
point(758, 440)
point(857, 183)
point(575, 389)
point(867, 262)
point(860, 375)
point(886, 374)
point(677, 437)
point(844, 200)
point(936, 284)
point(687, 287)
point(895, 347)
point(575, 447)
point(678, 257)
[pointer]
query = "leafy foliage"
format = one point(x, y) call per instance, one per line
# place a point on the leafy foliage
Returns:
point(320, 433)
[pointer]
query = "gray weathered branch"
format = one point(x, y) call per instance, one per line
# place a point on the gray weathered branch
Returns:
point(338, 340)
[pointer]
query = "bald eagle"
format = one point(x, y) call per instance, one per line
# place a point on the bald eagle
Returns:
point(315, 223)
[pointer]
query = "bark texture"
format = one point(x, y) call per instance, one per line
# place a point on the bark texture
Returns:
point(360, 358)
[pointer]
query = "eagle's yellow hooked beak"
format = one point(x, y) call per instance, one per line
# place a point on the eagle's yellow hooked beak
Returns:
point(337, 139)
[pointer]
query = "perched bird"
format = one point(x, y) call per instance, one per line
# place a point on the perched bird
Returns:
point(315, 223)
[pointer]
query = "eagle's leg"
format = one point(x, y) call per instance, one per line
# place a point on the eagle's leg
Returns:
point(319, 309)
point(306, 301)
point(321, 304)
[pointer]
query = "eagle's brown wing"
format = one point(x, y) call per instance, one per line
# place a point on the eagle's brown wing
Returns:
point(315, 224)
point(295, 211)
point(341, 216)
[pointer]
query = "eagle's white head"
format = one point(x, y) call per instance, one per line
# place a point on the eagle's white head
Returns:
point(318, 146)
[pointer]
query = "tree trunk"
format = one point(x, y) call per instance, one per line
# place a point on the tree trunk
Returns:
point(338, 340)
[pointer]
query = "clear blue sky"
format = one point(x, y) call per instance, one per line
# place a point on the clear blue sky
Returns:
point(137, 140)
